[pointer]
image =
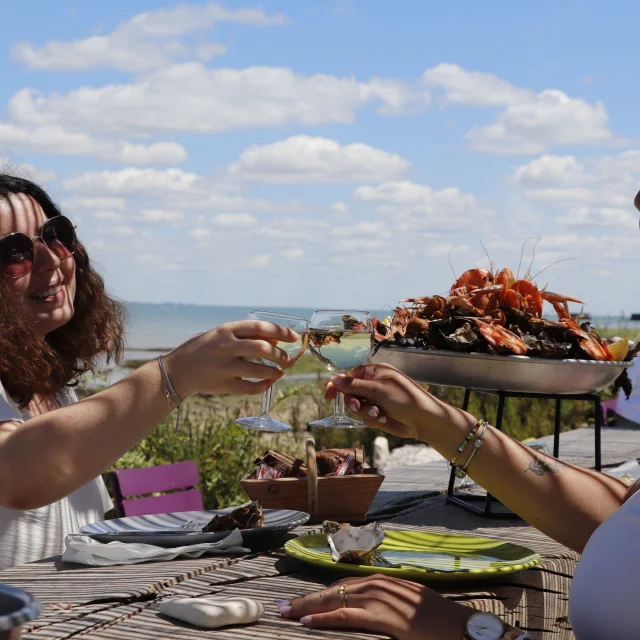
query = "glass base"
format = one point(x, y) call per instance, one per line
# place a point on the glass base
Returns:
point(263, 423)
point(338, 421)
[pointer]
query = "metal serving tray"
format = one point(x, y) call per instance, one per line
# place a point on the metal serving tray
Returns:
point(502, 373)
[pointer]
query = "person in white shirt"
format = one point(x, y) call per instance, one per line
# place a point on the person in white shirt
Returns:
point(589, 512)
point(56, 321)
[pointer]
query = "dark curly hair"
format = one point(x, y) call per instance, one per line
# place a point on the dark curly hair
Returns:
point(31, 364)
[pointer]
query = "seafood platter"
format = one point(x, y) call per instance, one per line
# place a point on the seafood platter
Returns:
point(491, 333)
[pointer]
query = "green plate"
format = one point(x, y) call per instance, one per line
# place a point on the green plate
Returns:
point(441, 557)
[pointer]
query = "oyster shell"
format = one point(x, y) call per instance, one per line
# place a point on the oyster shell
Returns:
point(250, 516)
point(353, 545)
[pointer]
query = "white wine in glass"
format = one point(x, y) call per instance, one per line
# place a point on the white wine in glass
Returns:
point(264, 421)
point(340, 341)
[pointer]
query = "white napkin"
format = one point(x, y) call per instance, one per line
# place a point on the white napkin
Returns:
point(85, 550)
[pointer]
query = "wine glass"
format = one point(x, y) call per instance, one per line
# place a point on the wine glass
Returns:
point(340, 341)
point(264, 421)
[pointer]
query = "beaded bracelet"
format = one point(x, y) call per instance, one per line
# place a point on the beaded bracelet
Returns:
point(173, 399)
point(477, 445)
point(464, 444)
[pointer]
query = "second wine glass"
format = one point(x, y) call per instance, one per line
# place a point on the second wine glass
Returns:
point(340, 341)
point(264, 421)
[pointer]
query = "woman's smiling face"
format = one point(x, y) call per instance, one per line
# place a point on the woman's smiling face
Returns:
point(47, 292)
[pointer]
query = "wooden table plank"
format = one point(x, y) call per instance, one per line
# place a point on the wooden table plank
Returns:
point(53, 582)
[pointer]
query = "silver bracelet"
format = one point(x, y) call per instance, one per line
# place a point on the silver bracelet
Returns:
point(477, 445)
point(173, 399)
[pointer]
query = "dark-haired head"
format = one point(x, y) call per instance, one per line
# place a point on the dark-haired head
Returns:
point(56, 318)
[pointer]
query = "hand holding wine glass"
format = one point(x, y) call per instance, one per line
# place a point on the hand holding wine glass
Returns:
point(264, 421)
point(340, 341)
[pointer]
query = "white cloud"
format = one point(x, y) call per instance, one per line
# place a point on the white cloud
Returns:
point(306, 158)
point(260, 261)
point(473, 88)
point(293, 254)
point(550, 119)
point(159, 215)
point(54, 139)
point(530, 123)
point(210, 100)
point(133, 182)
point(82, 205)
point(339, 208)
point(608, 217)
point(147, 41)
point(235, 220)
point(199, 234)
point(205, 52)
point(552, 171)
point(25, 170)
point(413, 206)
point(593, 192)
point(124, 230)
point(108, 215)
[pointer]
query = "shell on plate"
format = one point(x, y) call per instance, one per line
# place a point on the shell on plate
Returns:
point(353, 545)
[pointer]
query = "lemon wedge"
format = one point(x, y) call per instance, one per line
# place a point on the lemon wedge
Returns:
point(619, 349)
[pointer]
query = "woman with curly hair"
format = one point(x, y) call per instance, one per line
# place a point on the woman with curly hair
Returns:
point(56, 322)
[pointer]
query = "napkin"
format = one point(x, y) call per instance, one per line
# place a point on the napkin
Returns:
point(85, 550)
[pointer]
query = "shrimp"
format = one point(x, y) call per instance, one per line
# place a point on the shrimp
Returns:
point(473, 279)
point(551, 297)
point(500, 338)
point(588, 342)
point(533, 300)
point(429, 305)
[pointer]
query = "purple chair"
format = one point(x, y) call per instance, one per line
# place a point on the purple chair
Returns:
point(168, 477)
point(609, 411)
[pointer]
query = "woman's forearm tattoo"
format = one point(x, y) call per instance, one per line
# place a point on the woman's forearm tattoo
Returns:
point(540, 466)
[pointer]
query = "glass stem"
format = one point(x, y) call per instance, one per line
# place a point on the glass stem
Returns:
point(338, 405)
point(266, 403)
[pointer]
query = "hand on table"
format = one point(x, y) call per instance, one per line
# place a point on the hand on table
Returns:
point(380, 604)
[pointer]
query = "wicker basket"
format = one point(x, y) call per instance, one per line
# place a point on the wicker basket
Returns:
point(340, 498)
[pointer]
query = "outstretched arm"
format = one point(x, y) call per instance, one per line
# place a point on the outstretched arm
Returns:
point(51, 455)
point(563, 501)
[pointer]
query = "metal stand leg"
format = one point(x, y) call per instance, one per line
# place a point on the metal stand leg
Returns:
point(556, 431)
point(598, 432)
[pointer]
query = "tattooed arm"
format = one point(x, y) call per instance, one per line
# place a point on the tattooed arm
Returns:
point(567, 503)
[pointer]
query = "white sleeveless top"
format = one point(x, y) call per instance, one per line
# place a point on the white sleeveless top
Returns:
point(26, 536)
point(605, 595)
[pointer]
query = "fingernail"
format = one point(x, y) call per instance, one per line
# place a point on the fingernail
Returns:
point(283, 603)
point(353, 406)
point(305, 620)
point(339, 379)
point(382, 419)
point(284, 611)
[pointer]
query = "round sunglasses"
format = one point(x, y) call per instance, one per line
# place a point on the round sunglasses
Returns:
point(17, 250)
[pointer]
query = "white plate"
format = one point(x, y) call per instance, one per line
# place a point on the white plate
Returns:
point(502, 373)
point(163, 529)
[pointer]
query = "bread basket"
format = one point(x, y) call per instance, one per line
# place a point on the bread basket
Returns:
point(340, 498)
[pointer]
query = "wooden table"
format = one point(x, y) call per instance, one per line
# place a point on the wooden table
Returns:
point(122, 602)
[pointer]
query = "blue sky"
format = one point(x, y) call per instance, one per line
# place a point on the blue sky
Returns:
point(336, 153)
